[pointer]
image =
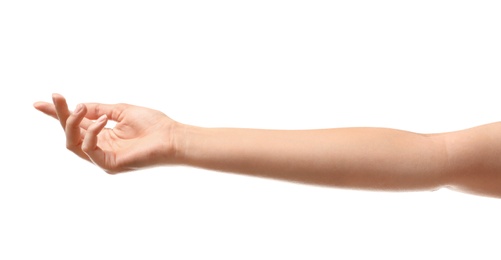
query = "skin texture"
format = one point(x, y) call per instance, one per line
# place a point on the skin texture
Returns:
point(356, 158)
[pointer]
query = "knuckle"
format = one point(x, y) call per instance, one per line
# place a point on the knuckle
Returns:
point(86, 148)
point(70, 146)
point(112, 171)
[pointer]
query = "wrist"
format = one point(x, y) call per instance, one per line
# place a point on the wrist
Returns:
point(180, 142)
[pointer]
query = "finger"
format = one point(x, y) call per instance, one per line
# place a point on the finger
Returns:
point(113, 112)
point(89, 144)
point(50, 110)
point(61, 109)
point(73, 130)
point(46, 108)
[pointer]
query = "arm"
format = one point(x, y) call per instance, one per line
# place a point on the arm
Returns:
point(364, 158)
point(361, 158)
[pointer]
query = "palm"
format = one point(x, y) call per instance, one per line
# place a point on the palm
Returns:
point(134, 140)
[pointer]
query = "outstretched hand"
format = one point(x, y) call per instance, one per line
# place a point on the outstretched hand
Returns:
point(142, 137)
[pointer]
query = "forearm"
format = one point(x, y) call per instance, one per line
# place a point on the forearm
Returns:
point(365, 158)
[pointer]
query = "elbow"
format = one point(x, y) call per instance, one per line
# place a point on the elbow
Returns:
point(469, 165)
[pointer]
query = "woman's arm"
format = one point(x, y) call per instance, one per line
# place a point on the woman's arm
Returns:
point(362, 158)
point(356, 158)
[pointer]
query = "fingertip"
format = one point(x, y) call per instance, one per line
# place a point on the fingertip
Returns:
point(78, 109)
point(40, 105)
point(84, 108)
point(56, 97)
point(102, 118)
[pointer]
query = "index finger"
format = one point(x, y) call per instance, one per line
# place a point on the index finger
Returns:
point(46, 108)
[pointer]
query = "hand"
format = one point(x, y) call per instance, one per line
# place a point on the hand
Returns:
point(141, 138)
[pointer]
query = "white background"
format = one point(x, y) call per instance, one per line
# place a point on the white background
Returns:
point(423, 66)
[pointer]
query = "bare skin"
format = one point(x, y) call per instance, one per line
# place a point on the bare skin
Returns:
point(357, 158)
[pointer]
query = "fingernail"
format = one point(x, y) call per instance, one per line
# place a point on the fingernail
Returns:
point(102, 118)
point(78, 109)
